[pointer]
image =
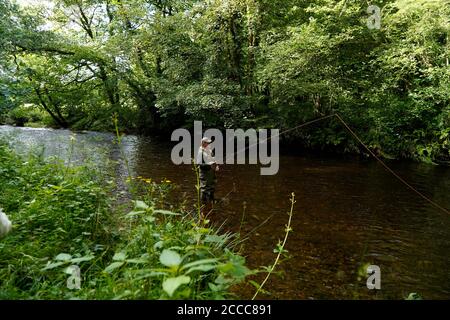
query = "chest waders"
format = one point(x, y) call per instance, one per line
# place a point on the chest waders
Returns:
point(208, 182)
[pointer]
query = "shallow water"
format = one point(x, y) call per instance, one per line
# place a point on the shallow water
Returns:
point(348, 212)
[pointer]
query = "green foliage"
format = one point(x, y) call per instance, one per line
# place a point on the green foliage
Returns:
point(66, 218)
point(28, 115)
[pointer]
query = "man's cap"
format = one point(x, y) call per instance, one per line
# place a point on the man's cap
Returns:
point(206, 140)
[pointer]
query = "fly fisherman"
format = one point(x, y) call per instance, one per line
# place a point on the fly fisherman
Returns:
point(208, 168)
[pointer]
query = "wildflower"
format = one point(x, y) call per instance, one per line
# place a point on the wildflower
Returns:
point(5, 224)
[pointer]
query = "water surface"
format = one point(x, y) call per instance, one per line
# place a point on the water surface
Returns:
point(348, 212)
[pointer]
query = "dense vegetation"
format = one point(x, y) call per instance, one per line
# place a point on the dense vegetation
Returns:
point(160, 64)
point(67, 218)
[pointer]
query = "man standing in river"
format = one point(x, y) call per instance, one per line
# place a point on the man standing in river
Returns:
point(208, 168)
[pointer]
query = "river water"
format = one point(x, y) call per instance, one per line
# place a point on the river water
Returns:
point(349, 212)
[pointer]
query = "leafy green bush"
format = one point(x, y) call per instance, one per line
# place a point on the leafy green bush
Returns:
point(27, 116)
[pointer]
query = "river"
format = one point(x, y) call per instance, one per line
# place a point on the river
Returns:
point(349, 211)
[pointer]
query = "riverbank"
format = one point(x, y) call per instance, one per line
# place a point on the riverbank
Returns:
point(70, 239)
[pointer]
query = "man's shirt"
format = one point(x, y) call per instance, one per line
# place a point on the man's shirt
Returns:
point(204, 156)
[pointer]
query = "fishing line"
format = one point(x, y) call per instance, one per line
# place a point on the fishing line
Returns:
point(221, 200)
point(403, 181)
point(389, 169)
point(217, 203)
point(256, 228)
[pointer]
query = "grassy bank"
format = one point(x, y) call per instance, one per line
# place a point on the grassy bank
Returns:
point(72, 240)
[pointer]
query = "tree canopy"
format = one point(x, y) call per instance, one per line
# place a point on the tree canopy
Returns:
point(160, 64)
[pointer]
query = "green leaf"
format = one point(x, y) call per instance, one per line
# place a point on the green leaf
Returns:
point(170, 258)
point(146, 273)
point(167, 213)
point(203, 268)
point(141, 205)
point(199, 262)
point(255, 284)
point(63, 257)
point(213, 287)
point(123, 295)
point(235, 268)
point(134, 213)
point(258, 286)
point(221, 280)
point(204, 230)
point(170, 285)
point(158, 245)
point(137, 261)
point(120, 256)
point(82, 259)
point(113, 266)
point(53, 265)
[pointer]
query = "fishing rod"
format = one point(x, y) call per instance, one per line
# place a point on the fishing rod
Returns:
point(347, 127)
